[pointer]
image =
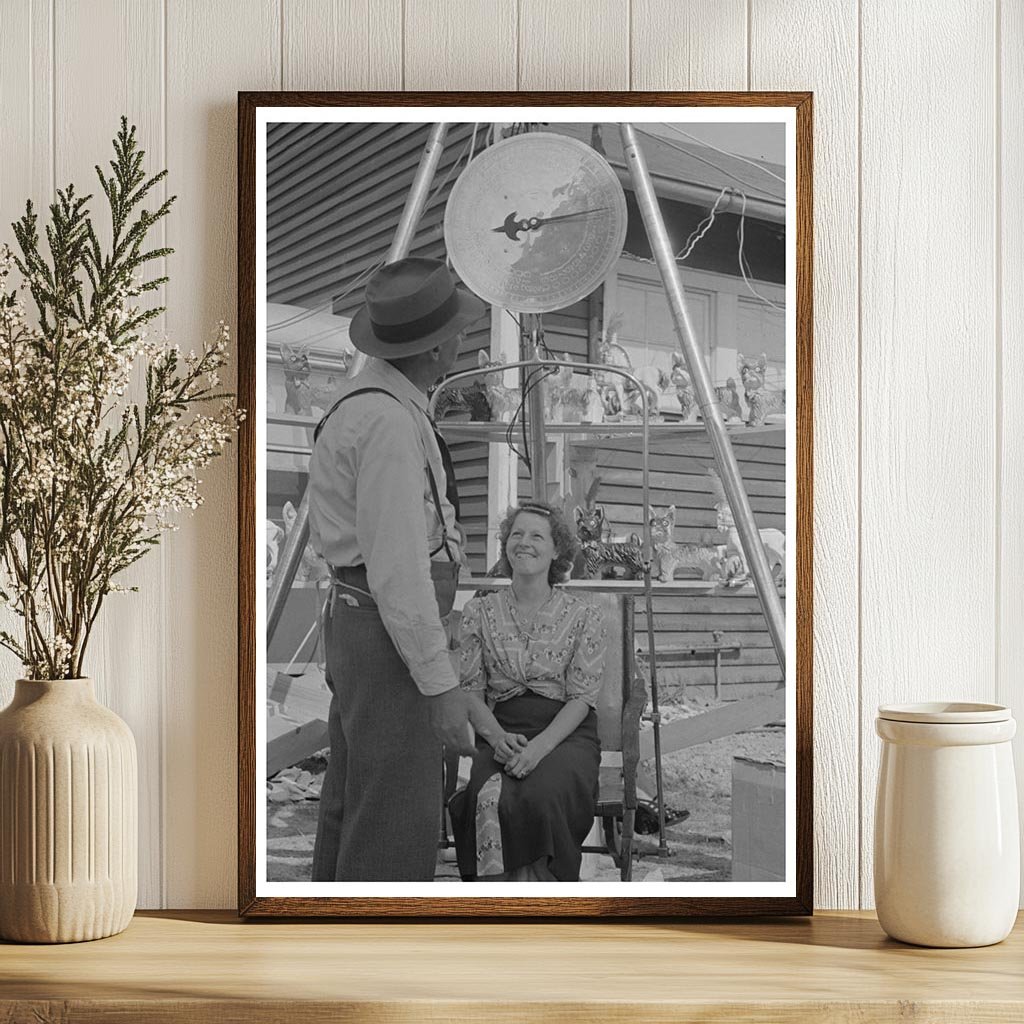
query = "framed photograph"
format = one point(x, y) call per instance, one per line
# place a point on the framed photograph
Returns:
point(528, 446)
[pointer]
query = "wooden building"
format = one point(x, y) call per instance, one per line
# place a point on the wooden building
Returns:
point(335, 193)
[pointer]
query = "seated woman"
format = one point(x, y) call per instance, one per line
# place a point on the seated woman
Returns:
point(533, 657)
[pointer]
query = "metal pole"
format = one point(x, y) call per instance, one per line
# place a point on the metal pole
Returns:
point(721, 447)
point(535, 408)
point(415, 204)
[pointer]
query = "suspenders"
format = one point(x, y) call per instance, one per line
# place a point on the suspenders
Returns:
point(451, 492)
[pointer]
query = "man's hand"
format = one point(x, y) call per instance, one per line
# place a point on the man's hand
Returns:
point(449, 718)
point(508, 745)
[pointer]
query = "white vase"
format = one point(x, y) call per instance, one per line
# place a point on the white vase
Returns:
point(68, 815)
point(947, 847)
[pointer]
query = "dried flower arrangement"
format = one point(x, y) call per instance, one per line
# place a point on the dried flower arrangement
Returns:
point(89, 478)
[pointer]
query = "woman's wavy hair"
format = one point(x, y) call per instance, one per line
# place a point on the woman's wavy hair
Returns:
point(566, 546)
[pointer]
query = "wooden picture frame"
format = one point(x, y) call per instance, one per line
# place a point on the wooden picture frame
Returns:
point(259, 896)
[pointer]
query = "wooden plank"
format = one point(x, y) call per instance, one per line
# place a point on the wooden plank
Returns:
point(829, 68)
point(1010, 656)
point(919, 532)
point(726, 720)
point(342, 44)
point(228, 46)
point(575, 44)
point(126, 656)
point(689, 44)
point(210, 968)
point(468, 45)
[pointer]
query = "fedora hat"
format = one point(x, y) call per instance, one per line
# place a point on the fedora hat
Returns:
point(411, 306)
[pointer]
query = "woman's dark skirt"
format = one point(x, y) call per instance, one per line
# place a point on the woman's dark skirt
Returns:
point(502, 824)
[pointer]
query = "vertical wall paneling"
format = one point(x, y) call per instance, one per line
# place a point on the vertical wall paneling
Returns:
point(1010, 264)
point(574, 44)
point(689, 44)
point(122, 657)
point(213, 51)
point(919, 425)
point(780, 59)
point(470, 44)
point(26, 170)
point(342, 44)
point(928, 517)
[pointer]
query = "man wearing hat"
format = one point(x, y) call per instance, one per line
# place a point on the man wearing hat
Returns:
point(381, 514)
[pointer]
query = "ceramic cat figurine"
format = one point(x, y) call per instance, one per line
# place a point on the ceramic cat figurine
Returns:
point(729, 400)
point(298, 393)
point(670, 556)
point(679, 378)
point(605, 556)
point(774, 542)
point(761, 401)
point(503, 401)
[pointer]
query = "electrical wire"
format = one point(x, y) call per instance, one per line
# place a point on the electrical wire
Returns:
point(745, 266)
point(733, 156)
point(329, 303)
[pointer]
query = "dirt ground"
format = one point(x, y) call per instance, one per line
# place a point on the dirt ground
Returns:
point(697, 780)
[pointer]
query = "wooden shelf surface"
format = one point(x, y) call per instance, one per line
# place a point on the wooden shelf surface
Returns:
point(208, 966)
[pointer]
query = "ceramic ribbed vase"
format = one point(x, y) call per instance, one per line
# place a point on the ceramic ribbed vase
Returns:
point(68, 815)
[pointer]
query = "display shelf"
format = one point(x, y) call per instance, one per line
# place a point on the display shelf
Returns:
point(207, 967)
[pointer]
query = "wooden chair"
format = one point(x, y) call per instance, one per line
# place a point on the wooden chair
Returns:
point(619, 709)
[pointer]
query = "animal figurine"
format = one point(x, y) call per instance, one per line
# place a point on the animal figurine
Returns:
point(604, 556)
point(774, 541)
point(503, 401)
point(560, 397)
point(274, 537)
point(593, 408)
point(298, 393)
point(652, 380)
point(312, 568)
point(679, 378)
point(451, 403)
point(761, 401)
point(669, 556)
point(729, 401)
point(611, 353)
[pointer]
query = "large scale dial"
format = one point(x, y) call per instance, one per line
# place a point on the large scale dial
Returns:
point(535, 222)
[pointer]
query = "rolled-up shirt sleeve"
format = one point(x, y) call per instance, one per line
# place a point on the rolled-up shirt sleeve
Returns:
point(585, 674)
point(391, 533)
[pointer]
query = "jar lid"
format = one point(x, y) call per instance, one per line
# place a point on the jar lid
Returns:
point(945, 712)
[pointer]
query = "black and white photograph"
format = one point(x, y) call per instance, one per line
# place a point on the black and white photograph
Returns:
point(526, 463)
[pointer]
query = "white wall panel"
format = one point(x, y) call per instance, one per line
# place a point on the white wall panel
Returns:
point(126, 664)
point(928, 359)
point(1009, 256)
point(780, 59)
point(465, 44)
point(688, 44)
point(342, 44)
point(919, 301)
point(574, 44)
point(26, 165)
point(213, 51)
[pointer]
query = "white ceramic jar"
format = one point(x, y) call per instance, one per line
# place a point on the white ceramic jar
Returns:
point(947, 847)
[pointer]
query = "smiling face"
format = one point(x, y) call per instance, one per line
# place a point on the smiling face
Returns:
point(530, 548)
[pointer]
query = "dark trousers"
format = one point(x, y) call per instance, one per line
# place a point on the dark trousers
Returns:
point(380, 805)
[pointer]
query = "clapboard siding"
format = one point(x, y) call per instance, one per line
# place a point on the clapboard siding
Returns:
point(335, 196)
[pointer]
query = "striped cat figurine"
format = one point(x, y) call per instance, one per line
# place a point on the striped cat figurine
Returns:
point(670, 556)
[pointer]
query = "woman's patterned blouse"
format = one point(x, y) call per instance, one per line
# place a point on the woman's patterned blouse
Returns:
point(559, 655)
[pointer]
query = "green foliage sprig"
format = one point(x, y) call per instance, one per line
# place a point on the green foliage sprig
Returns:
point(89, 478)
